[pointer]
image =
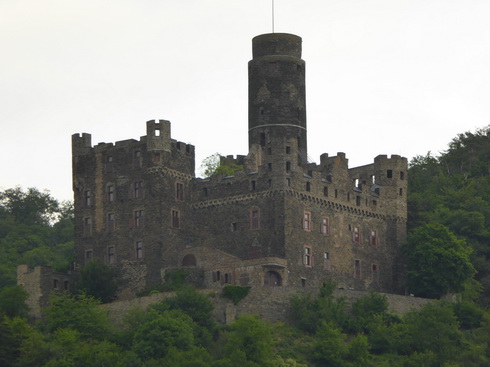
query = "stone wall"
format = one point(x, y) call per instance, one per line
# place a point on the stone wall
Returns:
point(270, 303)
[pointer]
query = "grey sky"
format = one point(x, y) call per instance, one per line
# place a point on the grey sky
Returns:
point(383, 76)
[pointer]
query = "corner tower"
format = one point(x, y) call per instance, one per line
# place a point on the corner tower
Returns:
point(276, 92)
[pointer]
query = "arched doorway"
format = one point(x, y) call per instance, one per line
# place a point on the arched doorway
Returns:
point(189, 260)
point(272, 279)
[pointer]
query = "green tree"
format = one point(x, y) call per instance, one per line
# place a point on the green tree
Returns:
point(217, 163)
point(76, 312)
point(31, 206)
point(13, 301)
point(99, 281)
point(162, 331)
point(249, 340)
point(438, 262)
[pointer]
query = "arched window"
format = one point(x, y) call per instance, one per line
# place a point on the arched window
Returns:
point(189, 260)
point(272, 279)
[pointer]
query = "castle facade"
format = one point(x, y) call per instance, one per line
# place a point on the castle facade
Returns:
point(281, 221)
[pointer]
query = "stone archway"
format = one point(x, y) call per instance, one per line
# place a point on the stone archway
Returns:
point(189, 260)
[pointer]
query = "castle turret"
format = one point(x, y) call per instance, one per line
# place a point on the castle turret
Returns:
point(277, 91)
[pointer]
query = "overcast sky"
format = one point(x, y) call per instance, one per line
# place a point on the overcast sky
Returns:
point(383, 76)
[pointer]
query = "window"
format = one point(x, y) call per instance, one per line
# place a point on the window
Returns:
point(139, 218)
point(401, 192)
point(375, 272)
point(288, 150)
point(138, 190)
point(389, 173)
point(307, 225)
point(255, 218)
point(358, 200)
point(55, 283)
point(139, 250)
point(205, 192)
point(288, 181)
point(111, 194)
point(89, 256)
point(66, 285)
point(269, 166)
point(327, 265)
point(227, 278)
point(137, 159)
point(336, 193)
point(253, 185)
point(402, 175)
point(179, 191)
point(87, 227)
point(109, 164)
point(272, 279)
point(308, 257)
point(325, 191)
point(357, 269)
point(308, 186)
point(156, 156)
point(111, 255)
point(234, 226)
point(216, 276)
point(269, 151)
point(356, 235)
point(111, 222)
point(325, 226)
point(175, 218)
point(87, 198)
point(288, 166)
point(373, 239)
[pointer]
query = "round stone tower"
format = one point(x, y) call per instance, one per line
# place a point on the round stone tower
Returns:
point(276, 92)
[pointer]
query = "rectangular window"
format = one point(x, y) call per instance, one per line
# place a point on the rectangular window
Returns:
point(375, 272)
point(179, 191)
point(327, 265)
point(111, 222)
point(307, 224)
point(89, 256)
point(255, 219)
point(111, 193)
point(109, 164)
point(288, 150)
point(356, 235)
point(308, 257)
point(358, 200)
point(139, 250)
point(205, 192)
point(137, 159)
point(325, 226)
point(139, 218)
point(138, 190)
point(87, 198)
point(325, 191)
point(175, 218)
point(234, 226)
point(66, 285)
point(55, 283)
point(288, 166)
point(402, 175)
point(156, 157)
point(308, 186)
point(373, 239)
point(357, 269)
point(87, 227)
point(389, 173)
point(111, 255)
point(253, 185)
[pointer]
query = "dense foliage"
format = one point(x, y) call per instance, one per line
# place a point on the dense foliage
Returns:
point(217, 163)
point(180, 331)
point(35, 229)
point(453, 190)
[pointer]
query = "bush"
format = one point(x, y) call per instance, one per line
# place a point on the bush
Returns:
point(235, 293)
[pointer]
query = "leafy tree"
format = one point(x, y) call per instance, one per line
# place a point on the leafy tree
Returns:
point(9, 344)
point(438, 262)
point(13, 301)
point(162, 331)
point(99, 281)
point(249, 340)
point(77, 312)
point(31, 207)
point(217, 163)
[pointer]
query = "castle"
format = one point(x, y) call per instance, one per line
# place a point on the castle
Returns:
point(281, 221)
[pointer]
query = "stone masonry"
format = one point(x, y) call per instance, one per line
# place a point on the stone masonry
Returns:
point(281, 221)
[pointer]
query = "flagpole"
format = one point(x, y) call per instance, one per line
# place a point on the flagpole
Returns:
point(272, 16)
